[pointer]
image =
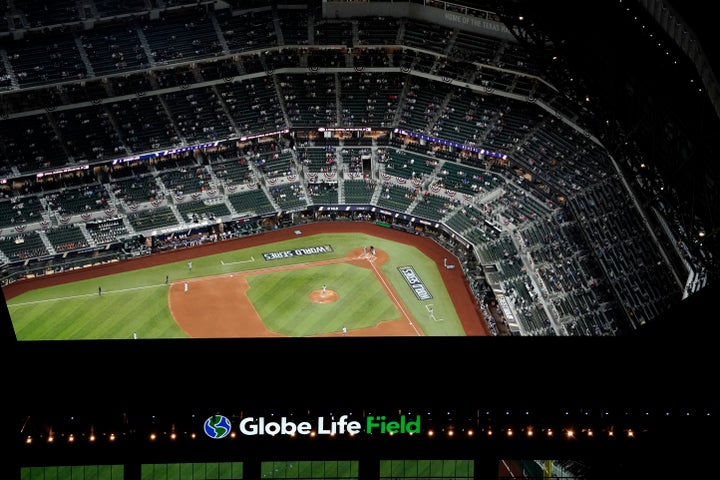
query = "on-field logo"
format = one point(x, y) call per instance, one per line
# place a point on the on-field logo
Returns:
point(414, 282)
point(217, 426)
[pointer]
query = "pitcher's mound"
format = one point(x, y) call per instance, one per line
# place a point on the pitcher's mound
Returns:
point(329, 296)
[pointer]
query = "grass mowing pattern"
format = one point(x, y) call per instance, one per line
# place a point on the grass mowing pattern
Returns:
point(137, 300)
point(75, 311)
point(282, 300)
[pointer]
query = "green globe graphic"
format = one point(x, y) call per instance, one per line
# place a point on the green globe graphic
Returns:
point(217, 426)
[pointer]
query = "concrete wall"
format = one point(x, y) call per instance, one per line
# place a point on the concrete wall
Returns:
point(417, 11)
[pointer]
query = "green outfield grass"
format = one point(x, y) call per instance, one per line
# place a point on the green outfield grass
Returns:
point(137, 301)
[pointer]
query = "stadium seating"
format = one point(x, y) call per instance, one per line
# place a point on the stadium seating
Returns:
point(178, 116)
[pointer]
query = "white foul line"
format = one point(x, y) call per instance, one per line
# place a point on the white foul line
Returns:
point(397, 302)
point(252, 259)
point(70, 297)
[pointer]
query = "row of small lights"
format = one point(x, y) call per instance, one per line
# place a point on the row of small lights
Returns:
point(660, 45)
point(528, 432)
point(508, 432)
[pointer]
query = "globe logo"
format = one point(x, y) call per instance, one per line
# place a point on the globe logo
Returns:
point(217, 426)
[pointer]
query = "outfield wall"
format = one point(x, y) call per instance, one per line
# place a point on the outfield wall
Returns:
point(97, 259)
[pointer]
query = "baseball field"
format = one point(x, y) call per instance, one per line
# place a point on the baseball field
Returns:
point(321, 279)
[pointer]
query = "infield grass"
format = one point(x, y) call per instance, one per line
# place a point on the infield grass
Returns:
point(136, 301)
point(282, 300)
